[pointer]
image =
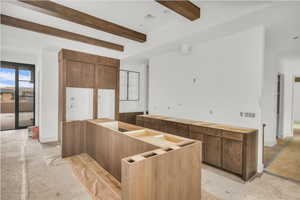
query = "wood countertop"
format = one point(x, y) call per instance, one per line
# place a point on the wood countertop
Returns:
point(203, 124)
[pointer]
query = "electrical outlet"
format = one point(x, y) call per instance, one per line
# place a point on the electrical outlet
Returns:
point(247, 114)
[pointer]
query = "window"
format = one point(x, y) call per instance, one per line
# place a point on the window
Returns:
point(129, 85)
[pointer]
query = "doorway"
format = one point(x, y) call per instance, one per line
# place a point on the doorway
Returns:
point(284, 157)
point(296, 107)
point(17, 94)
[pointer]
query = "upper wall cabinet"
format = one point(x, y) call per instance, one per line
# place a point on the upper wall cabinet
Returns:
point(80, 74)
point(106, 77)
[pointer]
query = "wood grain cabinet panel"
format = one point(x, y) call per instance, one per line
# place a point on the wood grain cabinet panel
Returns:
point(129, 117)
point(213, 150)
point(80, 74)
point(182, 130)
point(108, 78)
point(72, 138)
point(139, 121)
point(98, 76)
point(199, 136)
point(232, 150)
point(232, 156)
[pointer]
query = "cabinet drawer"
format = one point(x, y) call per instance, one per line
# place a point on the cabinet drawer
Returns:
point(139, 118)
point(196, 136)
point(182, 127)
point(197, 129)
point(232, 135)
point(140, 123)
point(213, 132)
point(147, 119)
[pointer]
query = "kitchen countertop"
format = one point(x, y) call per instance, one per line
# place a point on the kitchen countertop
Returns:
point(203, 124)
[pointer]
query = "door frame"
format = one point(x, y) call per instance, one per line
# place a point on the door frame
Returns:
point(279, 104)
point(293, 96)
point(16, 66)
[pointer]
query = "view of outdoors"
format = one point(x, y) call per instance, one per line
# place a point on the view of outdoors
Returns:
point(25, 104)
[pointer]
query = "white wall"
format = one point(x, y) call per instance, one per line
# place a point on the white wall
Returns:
point(296, 109)
point(217, 81)
point(136, 106)
point(49, 96)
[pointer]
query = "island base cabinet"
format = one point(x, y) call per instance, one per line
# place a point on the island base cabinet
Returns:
point(213, 150)
point(232, 156)
point(73, 138)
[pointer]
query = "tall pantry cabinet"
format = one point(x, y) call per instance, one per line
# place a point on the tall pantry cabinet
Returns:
point(82, 77)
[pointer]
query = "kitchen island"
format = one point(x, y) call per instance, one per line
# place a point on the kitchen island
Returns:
point(148, 164)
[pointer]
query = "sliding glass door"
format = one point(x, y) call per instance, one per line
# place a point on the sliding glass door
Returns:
point(17, 95)
point(7, 92)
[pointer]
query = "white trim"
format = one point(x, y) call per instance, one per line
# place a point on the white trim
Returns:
point(270, 143)
point(292, 109)
point(48, 139)
point(260, 168)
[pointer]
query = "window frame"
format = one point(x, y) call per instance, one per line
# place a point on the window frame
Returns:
point(127, 86)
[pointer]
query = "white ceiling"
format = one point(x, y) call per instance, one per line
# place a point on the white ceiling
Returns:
point(166, 27)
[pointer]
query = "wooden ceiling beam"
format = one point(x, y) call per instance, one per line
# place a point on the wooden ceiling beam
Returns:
point(66, 13)
point(19, 23)
point(182, 7)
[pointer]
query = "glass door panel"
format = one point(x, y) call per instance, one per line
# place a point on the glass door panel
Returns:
point(7, 97)
point(26, 97)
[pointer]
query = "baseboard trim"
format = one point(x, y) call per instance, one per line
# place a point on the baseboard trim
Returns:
point(260, 168)
point(48, 139)
point(270, 143)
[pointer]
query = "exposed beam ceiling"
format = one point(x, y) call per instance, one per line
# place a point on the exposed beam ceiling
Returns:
point(182, 7)
point(66, 13)
point(19, 23)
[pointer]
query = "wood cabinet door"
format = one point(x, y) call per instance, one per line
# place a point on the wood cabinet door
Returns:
point(73, 74)
point(232, 155)
point(72, 138)
point(98, 76)
point(80, 74)
point(87, 75)
point(106, 77)
point(213, 150)
point(200, 137)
